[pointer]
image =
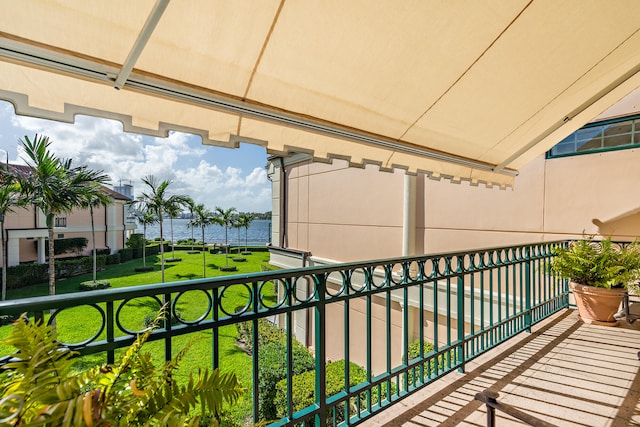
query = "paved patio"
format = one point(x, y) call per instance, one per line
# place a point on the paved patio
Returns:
point(565, 372)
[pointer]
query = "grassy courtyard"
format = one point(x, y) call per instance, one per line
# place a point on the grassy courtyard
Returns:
point(75, 325)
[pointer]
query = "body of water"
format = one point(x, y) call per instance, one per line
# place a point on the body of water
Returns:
point(259, 232)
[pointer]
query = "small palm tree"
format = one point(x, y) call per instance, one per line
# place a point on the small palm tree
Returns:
point(244, 221)
point(203, 218)
point(9, 192)
point(173, 210)
point(190, 204)
point(158, 200)
point(225, 218)
point(145, 217)
point(54, 186)
point(237, 225)
point(95, 197)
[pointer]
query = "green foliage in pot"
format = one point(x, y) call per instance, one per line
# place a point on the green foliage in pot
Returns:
point(602, 263)
point(39, 387)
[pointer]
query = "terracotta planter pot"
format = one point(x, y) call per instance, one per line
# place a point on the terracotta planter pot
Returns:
point(597, 305)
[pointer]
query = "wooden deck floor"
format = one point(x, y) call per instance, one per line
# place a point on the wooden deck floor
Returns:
point(565, 372)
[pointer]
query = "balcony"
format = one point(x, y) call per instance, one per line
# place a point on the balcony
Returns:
point(429, 331)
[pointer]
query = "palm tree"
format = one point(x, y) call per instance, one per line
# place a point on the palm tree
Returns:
point(95, 197)
point(173, 210)
point(190, 204)
point(236, 224)
point(203, 218)
point(245, 220)
point(225, 218)
point(54, 186)
point(158, 200)
point(145, 217)
point(9, 192)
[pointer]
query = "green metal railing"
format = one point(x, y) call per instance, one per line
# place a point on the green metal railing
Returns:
point(406, 321)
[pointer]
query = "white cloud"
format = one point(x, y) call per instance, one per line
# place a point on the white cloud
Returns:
point(193, 169)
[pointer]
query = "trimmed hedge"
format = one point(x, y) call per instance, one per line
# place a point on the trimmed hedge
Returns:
point(30, 274)
point(272, 369)
point(126, 254)
point(62, 246)
point(267, 333)
point(113, 259)
point(303, 386)
point(90, 285)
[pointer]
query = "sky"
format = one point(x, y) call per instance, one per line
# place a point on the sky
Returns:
point(214, 176)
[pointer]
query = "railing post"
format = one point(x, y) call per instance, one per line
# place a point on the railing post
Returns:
point(110, 333)
point(527, 287)
point(492, 399)
point(461, 352)
point(321, 351)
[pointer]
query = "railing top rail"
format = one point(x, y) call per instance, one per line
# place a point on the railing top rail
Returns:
point(105, 295)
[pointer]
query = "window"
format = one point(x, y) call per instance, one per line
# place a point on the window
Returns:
point(60, 221)
point(614, 134)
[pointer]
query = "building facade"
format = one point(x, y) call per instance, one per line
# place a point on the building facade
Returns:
point(26, 229)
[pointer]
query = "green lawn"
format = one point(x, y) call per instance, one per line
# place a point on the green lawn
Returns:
point(74, 325)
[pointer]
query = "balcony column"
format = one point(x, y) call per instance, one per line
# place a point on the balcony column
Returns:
point(409, 216)
point(41, 254)
point(13, 251)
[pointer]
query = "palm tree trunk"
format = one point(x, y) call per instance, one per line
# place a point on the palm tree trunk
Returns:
point(193, 241)
point(226, 245)
point(93, 237)
point(52, 263)
point(144, 245)
point(4, 262)
point(173, 247)
point(204, 256)
point(246, 238)
point(161, 247)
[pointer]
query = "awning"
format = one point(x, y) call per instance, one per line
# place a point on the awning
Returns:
point(469, 90)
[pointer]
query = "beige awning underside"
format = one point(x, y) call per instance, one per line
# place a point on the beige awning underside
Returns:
point(468, 90)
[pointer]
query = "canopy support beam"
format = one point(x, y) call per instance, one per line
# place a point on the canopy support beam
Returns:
point(141, 42)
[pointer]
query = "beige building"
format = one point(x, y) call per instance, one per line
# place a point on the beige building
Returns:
point(328, 213)
point(26, 229)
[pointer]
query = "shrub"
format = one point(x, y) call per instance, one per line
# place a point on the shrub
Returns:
point(113, 259)
point(62, 246)
point(444, 361)
point(272, 368)
point(90, 285)
point(267, 333)
point(136, 240)
point(126, 254)
point(26, 274)
point(303, 386)
point(29, 274)
point(76, 267)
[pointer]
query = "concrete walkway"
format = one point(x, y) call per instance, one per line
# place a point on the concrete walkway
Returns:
point(565, 372)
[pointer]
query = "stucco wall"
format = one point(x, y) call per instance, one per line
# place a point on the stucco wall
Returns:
point(348, 214)
point(344, 213)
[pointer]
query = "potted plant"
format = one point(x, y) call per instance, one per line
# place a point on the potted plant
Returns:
point(599, 273)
